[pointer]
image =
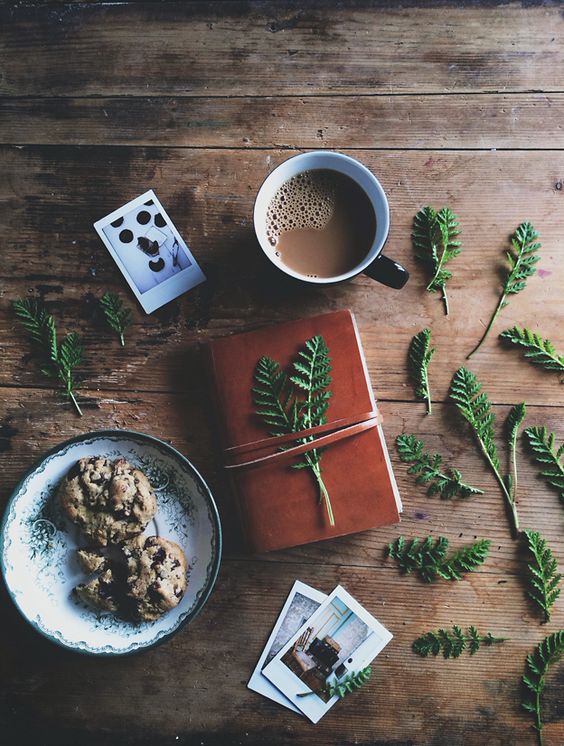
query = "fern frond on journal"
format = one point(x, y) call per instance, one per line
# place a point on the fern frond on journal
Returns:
point(295, 402)
point(538, 351)
point(522, 258)
point(419, 356)
point(445, 482)
point(435, 242)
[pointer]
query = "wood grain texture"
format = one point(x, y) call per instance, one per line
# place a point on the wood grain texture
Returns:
point(54, 195)
point(212, 659)
point(200, 101)
point(240, 48)
point(480, 121)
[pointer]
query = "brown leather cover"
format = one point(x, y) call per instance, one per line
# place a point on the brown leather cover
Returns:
point(279, 505)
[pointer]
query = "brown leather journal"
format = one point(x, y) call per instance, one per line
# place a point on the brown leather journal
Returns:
point(279, 506)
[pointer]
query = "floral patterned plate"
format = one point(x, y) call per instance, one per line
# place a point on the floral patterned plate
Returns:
point(37, 544)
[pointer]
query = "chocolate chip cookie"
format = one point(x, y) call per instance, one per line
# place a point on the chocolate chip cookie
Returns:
point(104, 592)
point(91, 561)
point(156, 578)
point(110, 500)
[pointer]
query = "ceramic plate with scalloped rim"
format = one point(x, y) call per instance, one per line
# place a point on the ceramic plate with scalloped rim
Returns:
point(38, 544)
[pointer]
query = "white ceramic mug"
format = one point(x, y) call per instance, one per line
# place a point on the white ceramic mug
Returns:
point(374, 264)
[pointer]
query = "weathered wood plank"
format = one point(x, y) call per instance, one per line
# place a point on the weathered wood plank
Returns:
point(238, 48)
point(480, 121)
point(52, 196)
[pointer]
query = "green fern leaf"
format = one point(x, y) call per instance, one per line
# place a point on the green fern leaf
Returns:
point(474, 405)
point(452, 643)
point(465, 560)
point(543, 575)
point(522, 258)
point(288, 404)
point(427, 468)
point(56, 361)
point(116, 314)
point(344, 686)
point(539, 351)
point(548, 652)
point(543, 445)
point(418, 357)
point(428, 557)
point(513, 422)
point(435, 243)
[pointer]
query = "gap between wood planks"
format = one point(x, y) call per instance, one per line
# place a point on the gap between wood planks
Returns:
point(258, 96)
point(95, 395)
point(280, 147)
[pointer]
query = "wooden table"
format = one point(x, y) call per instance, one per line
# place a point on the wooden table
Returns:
point(447, 105)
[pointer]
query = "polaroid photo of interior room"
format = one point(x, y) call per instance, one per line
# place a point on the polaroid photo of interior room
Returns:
point(323, 649)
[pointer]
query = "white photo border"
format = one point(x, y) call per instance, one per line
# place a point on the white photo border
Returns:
point(258, 682)
point(290, 685)
point(168, 289)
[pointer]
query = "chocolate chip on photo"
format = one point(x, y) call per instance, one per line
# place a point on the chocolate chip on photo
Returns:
point(158, 265)
point(117, 223)
point(126, 236)
point(143, 217)
point(160, 222)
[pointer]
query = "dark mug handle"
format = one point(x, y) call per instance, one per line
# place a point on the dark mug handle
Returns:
point(388, 272)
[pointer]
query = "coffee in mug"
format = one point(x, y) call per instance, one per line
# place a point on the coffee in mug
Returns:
point(322, 218)
point(320, 223)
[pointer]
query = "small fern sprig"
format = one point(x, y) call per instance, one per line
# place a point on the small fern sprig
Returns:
point(544, 577)
point(474, 405)
point(513, 422)
point(447, 484)
point(452, 643)
point(117, 315)
point(56, 360)
point(543, 445)
point(522, 259)
point(435, 242)
point(344, 686)
point(288, 404)
point(419, 356)
point(548, 652)
point(428, 557)
point(539, 351)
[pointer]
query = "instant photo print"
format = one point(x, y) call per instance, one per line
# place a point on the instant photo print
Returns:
point(150, 252)
point(340, 638)
point(302, 602)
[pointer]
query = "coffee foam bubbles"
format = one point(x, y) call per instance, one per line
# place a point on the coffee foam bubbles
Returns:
point(307, 200)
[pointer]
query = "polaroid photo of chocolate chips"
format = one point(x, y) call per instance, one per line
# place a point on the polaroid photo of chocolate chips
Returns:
point(302, 601)
point(150, 252)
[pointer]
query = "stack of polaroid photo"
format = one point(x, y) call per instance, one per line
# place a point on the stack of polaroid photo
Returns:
point(316, 641)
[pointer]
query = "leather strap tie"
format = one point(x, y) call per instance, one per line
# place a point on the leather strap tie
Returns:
point(330, 433)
